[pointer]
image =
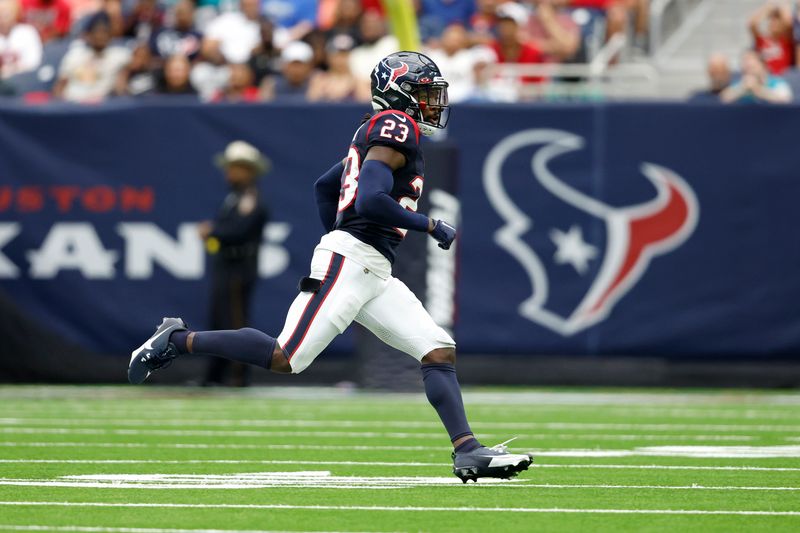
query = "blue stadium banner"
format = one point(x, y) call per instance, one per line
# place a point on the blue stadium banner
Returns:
point(585, 229)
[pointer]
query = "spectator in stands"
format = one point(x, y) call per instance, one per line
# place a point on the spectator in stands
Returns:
point(318, 40)
point(345, 20)
point(552, 30)
point(145, 18)
point(232, 36)
point(436, 15)
point(174, 77)
point(719, 77)
point(265, 58)
point(241, 85)
point(89, 70)
point(52, 18)
point(115, 12)
point(182, 38)
point(296, 71)
point(771, 28)
point(757, 85)
point(510, 46)
point(456, 61)
point(338, 84)
point(375, 44)
point(618, 13)
point(20, 45)
point(293, 18)
point(483, 22)
point(139, 77)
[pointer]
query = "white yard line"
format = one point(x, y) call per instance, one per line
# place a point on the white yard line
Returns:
point(319, 394)
point(729, 452)
point(401, 424)
point(554, 510)
point(671, 467)
point(325, 480)
point(352, 434)
point(538, 437)
point(211, 462)
point(274, 412)
point(98, 529)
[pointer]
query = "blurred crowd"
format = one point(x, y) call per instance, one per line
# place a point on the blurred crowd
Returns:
point(87, 51)
point(768, 69)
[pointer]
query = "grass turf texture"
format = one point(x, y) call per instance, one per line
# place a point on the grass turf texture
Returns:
point(605, 460)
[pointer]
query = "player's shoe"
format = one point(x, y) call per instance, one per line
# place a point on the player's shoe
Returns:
point(157, 352)
point(489, 462)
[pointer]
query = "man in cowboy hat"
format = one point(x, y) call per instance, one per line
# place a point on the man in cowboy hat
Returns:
point(233, 240)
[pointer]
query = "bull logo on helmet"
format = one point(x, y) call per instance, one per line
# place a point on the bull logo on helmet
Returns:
point(581, 255)
point(386, 75)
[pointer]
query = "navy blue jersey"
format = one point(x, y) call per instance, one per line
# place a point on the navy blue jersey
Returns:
point(396, 130)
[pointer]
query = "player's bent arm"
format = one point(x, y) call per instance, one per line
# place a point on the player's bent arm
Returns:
point(326, 192)
point(375, 203)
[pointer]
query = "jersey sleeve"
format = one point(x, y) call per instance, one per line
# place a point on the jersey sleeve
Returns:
point(396, 130)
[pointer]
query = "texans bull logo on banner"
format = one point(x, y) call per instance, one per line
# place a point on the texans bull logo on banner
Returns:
point(580, 254)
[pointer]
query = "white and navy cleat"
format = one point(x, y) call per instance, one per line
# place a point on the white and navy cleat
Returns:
point(157, 352)
point(490, 462)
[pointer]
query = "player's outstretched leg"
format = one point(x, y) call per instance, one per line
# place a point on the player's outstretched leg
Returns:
point(173, 338)
point(471, 460)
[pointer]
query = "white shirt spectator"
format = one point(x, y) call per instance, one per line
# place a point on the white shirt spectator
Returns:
point(237, 35)
point(20, 50)
point(459, 71)
point(363, 58)
point(91, 75)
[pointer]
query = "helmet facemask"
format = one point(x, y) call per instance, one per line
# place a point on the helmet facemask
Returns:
point(429, 106)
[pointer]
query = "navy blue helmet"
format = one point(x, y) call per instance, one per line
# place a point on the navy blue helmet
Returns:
point(411, 82)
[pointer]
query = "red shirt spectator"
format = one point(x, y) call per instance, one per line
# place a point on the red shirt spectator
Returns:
point(776, 53)
point(51, 18)
point(527, 54)
point(592, 4)
point(771, 28)
point(509, 47)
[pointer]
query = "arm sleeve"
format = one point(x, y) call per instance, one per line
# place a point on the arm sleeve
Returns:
point(326, 192)
point(375, 203)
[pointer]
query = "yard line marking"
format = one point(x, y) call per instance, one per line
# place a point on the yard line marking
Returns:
point(256, 480)
point(670, 467)
point(315, 394)
point(554, 510)
point(211, 462)
point(342, 434)
point(734, 452)
point(97, 529)
point(223, 433)
point(712, 412)
point(565, 436)
point(402, 424)
point(323, 480)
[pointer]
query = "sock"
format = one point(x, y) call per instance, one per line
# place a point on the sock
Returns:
point(245, 345)
point(468, 446)
point(444, 394)
point(179, 338)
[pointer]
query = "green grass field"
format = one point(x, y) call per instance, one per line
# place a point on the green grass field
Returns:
point(150, 459)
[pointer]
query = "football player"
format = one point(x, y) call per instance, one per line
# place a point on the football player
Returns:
point(367, 204)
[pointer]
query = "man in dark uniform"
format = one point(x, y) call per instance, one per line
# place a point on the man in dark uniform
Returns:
point(233, 239)
point(367, 203)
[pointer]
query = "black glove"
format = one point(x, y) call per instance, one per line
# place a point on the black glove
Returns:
point(444, 233)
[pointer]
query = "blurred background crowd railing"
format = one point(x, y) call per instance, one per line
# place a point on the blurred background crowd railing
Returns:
point(88, 51)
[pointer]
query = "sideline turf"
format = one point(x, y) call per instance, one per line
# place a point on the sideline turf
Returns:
point(47, 433)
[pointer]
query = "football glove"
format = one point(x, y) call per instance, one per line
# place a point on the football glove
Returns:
point(444, 233)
